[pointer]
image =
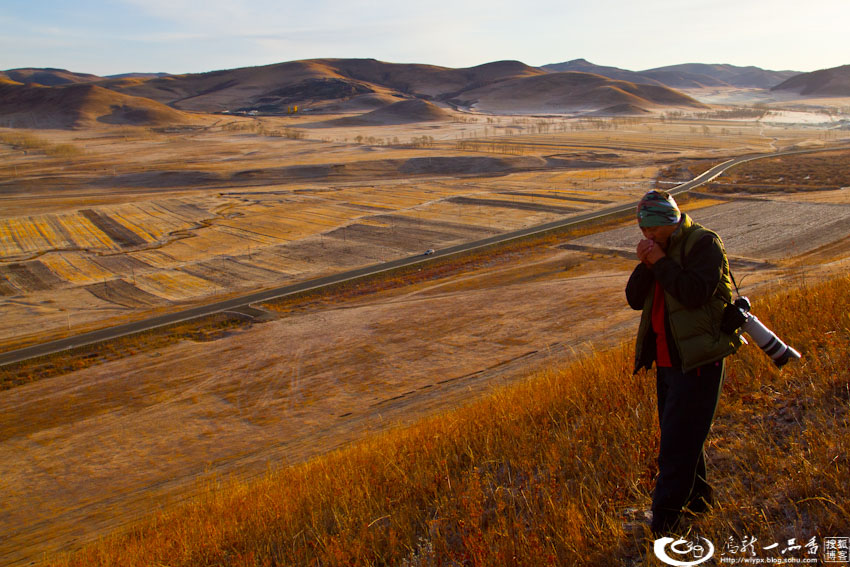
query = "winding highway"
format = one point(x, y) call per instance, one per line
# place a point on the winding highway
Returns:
point(243, 302)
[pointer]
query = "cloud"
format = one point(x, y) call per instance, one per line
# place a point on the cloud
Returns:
point(241, 18)
point(329, 20)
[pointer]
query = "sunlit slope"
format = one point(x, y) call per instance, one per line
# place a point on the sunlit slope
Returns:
point(81, 105)
point(540, 473)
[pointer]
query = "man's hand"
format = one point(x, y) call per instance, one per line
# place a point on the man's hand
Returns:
point(649, 252)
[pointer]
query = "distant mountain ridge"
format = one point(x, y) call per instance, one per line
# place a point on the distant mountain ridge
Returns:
point(826, 82)
point(317, 83)
point(57, 98)
point(138, 76)
point(575, 91)
point(327, 83)
point(585, 66)
point(724, 75)
point(47, 77)
point(688, 75)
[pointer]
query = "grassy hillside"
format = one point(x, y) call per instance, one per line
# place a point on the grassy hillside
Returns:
point(79, 105)
point(540, 473)
point(574, 90)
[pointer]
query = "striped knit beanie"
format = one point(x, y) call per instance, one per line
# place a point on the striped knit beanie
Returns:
point(657, 208)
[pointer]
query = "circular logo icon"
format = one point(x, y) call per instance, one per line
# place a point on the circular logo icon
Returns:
point(682, 548)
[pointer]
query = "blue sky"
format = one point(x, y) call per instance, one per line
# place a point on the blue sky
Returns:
point(184, 36)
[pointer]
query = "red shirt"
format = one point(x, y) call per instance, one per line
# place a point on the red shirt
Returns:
point(662, 356)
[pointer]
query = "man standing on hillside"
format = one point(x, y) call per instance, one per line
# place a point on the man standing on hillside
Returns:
point(681, 286)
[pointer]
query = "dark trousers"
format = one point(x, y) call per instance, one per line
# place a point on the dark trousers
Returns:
point(686, 405)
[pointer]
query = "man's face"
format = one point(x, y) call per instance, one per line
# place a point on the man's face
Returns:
point(659, 234)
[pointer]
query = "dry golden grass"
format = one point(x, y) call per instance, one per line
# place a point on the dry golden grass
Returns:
point(28, 142)
point(73, 267)
point(175, 286)
point(622, 136)
point(540, 473)
point(43, 367)
point(827, 170)
point(162, 236)
point(439, 269)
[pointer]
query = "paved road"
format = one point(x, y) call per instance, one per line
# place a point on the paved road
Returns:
point(246, 300)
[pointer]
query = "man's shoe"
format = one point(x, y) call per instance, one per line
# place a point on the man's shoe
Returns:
point(665, 522)
point(700, 503)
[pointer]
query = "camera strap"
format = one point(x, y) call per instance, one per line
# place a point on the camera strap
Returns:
point(737, 291)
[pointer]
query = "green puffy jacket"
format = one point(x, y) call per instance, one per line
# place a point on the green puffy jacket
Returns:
point(697, 284)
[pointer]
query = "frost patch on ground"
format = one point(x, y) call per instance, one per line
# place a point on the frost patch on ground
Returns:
point(766, 230)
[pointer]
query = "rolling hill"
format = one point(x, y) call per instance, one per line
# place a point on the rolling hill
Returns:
point(571, 92)
point(138, 76)
point(356, 86)
point(825, 82)
point(351, 84)
point(316, 83)
point(80, 105)
point(269, 86)
point(686, 76)
point(585, 66)
point(428, 80)
point(401, 112)
point(47, 77)
point(695, 75)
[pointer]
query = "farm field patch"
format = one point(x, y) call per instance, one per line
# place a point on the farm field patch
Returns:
point(170, 227)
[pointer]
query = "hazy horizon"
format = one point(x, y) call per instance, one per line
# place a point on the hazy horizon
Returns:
point(179, 36)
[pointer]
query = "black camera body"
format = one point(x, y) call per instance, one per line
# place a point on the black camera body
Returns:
point(737, 316)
